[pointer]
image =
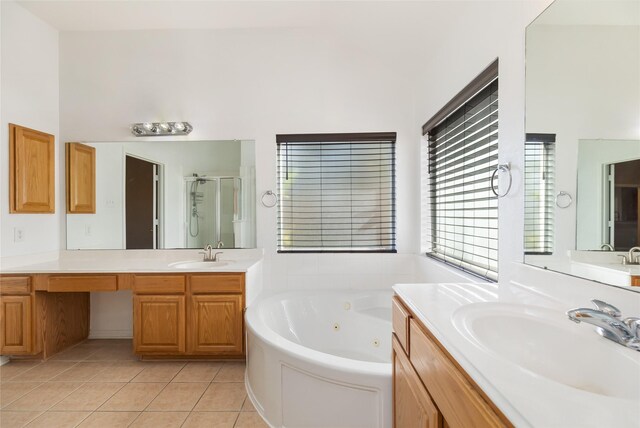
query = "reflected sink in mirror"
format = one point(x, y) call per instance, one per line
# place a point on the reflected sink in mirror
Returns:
point(544, 342)
point(199, 264)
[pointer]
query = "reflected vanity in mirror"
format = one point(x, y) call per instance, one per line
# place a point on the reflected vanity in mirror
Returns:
point(582, 149)
point(169, 194)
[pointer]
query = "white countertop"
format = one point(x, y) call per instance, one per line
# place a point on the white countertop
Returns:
point(133, 261)
point(525, 397)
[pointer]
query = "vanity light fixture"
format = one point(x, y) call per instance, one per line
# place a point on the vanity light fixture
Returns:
point(156, 129)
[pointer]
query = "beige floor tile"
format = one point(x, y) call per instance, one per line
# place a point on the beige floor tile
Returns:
point(198, 372)
point(248, 406)
point(112, 353)
point(74, 354)
point(119, 372)
point(211, 420)
point(250, 420)
point(81, 372)
point(11, 391)
point(17, 419)
point(44, 396)
point(45, 371)
point(158, 372)
point(222, 396)
point(160, 420)
point(133, 397)
point(58, 420)
point(109, 420)
point(89, 396)
point(14, 368)
point(178, 397)
point(231, 372)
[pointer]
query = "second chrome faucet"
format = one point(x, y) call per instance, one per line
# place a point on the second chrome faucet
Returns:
point(609, 323)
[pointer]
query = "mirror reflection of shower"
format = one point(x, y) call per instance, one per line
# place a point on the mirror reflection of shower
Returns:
point(212, 210)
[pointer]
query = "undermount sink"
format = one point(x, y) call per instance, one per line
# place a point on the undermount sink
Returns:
point(199, 264)
point(547, 344)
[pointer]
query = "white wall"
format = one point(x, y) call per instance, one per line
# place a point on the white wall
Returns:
point(29, 88)
point(571, 93)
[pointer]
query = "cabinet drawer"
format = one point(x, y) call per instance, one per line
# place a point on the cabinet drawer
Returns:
point(82, 283)
point(400, 318)
point(15, 285)
point(635, 281)
point(158, 284)
point(217, 283)
point(458, 400)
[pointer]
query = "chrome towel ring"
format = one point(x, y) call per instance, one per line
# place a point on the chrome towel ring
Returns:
point(563, 199)
point(505, 167)
point(269, 199)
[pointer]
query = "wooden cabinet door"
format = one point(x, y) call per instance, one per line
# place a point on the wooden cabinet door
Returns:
point(412, 405)
point(159, 324)
point(16, 325)
point(81, 178)
point(215, 324)
point(31, 171)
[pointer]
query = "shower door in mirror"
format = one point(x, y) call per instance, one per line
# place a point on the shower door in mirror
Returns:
point(212, 211)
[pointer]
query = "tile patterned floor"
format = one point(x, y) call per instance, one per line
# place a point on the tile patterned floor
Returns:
point(100, 383)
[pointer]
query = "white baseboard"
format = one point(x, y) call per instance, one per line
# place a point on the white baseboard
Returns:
point(110, 334)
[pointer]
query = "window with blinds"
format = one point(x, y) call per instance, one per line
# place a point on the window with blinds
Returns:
point(539, 184)
point(462, 153)
point(336, 192)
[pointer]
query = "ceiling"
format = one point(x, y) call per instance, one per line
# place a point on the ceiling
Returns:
point(87, 15)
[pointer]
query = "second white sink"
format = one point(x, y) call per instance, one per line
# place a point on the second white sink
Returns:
point(547, 344)
point(199, 264)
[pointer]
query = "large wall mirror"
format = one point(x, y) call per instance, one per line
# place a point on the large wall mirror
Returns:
point(169, 194)
point(582, 149)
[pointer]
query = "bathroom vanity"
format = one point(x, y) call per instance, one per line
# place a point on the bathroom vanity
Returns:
point(430, 389)
point(177, 312)
point(491, 355)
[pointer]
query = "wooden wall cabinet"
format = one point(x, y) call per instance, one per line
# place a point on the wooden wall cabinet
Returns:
point(430, 389)
point(31, 171)
point(189, 315)
point(81, 178)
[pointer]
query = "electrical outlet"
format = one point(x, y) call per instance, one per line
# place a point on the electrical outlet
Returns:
point(18, 234)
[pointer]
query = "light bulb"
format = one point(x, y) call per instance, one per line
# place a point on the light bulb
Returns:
point(179, 126)
point(164, 126)
point(148, 126)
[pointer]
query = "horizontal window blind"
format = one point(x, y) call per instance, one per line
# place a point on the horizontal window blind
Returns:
point(539, 185)
point(336, 193)
point(462, 154)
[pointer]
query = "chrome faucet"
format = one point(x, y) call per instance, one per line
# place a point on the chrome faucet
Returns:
point(220, 244)
point(606, 247)
point(609, 324)
point(209, 255)
point(632, 260)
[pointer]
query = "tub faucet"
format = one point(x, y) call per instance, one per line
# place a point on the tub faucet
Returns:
point(608, 322)
point(632, 260)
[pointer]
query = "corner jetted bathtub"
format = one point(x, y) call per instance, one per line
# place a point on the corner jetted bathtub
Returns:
point(321, 359)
